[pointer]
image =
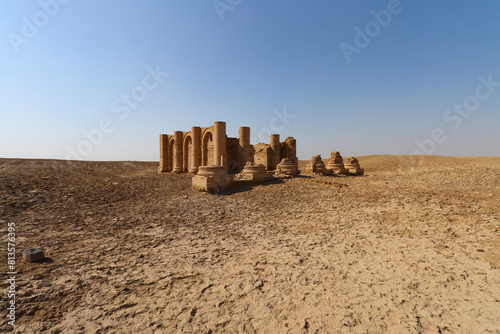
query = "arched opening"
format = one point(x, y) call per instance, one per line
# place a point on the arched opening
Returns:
point(171, 154)
point(187, 150)
point(207, 138)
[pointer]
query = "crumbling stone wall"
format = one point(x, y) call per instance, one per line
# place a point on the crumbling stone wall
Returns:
point(271, 155)
point(187, 151)
point(288, 149)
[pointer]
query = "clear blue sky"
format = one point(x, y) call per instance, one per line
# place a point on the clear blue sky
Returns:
point(66, 67)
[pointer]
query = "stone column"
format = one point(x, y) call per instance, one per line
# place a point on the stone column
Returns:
point(275, 154)
point(196, 152)
point(244, 151)
point(163, 154)
point(220, 148)
point(178, 151)
point(244, 136)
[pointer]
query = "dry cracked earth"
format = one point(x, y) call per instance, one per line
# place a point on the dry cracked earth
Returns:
point(411, 247)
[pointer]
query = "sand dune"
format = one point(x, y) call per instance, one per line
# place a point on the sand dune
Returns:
point(412, 247)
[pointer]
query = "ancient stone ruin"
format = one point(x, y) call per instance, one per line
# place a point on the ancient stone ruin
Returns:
point(316, 166)
point(212, 179)
point(336, 163)
point(215, 158)
point(187, 151)
point(286, 168)
point(335, 166)
point(220, 162)
point(254, 172)
point(351, 164)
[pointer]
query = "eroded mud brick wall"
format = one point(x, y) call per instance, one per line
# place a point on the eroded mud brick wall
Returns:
point(262, 154)
point(288, 149)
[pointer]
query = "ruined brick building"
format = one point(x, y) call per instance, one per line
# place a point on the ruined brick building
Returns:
point(187, 151)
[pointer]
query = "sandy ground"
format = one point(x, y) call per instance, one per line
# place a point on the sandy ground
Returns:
point(413, 247)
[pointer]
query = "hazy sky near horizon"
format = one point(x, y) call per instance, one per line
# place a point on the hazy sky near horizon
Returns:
point(100, 80)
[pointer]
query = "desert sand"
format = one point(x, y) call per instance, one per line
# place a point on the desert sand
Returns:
point(411, 247)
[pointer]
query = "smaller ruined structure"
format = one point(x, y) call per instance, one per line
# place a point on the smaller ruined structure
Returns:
point(254, 172)
point(271, 154)
point(212, 179)
point(351, 164)
point(336, 163)
point(33, 255)
point(335, 166)
point(287, 168)
point(316, 166)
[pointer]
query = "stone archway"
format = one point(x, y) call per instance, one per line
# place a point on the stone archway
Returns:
point(171, 154)
point(207, 138)
point(187, 152)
